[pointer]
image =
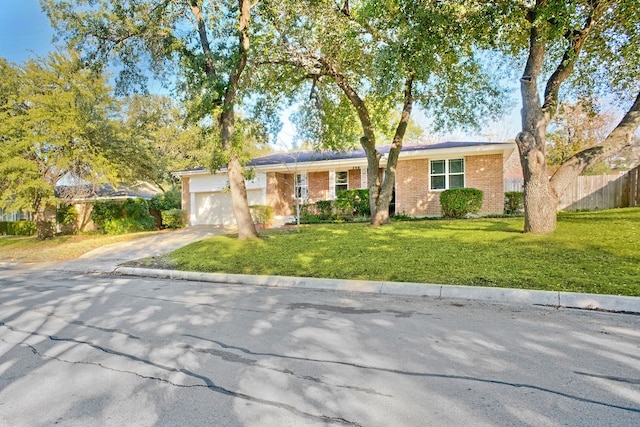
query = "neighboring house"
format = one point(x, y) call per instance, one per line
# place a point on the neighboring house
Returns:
point(423, 172)
point(82, 197)
point(11, 216)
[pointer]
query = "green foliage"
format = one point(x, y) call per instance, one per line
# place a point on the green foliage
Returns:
point(325, 208)
point(135, 208)
point(350, 205)
point(513, 202)
point(128, 225)
point(354, 202)
point(480, 252)
point(17, 228)
point(174, 218)
point(459, 202)
point(171, 199)
point(114, 217)
point(106, 210)
point(261, 214)
point(66, 215)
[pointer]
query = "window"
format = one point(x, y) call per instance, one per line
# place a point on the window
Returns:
point(446, 174)
point(302, 186)
point(342, 181)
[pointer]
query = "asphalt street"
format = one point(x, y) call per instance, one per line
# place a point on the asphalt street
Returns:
point(80, 349)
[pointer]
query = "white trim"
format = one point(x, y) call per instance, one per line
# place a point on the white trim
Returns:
point(304, 186)
point(447, 173)
point(332, 184)
point(364, 178)
point(192, 208)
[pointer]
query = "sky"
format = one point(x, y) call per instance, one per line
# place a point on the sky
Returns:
point(25, 32)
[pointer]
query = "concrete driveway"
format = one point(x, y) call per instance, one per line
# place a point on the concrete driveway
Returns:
point(106, 258)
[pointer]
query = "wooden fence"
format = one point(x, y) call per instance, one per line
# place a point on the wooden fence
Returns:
point(596, 192)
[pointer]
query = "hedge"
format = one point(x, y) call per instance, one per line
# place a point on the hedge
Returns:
point(17, 228)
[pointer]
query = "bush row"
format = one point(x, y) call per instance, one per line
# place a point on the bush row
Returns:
point(349, 205)
point(17, 228)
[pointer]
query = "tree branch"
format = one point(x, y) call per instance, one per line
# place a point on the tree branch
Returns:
point(576, 40)
point(617, 140)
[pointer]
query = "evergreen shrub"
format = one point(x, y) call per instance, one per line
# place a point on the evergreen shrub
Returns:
point(174, 218)
point(513, 202)
point(460, 202)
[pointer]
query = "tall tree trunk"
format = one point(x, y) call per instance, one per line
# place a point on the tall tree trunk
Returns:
point(241, 211)
point(42, 219)
point(540, 197)
point(239, 203)
point(380, 214)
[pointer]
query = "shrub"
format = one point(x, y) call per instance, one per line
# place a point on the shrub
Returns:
point(459, 202)
point(174, 218)
point(324, 209)
point(513, 202)
point(106, 210)
point(261, 214)
point(354, 202)
point(128, 225)
point(136, 208)
point(17, 228)
point(119, 218)
point(166, 201)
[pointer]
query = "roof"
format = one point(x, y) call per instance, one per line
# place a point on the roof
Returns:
point(355, 153)
point(298, 157)
point(105, 191)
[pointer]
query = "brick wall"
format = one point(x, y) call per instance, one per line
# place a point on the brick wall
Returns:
point(413, 197)
point(318, 186)
point(486, 173)
point(280, 188)
point(186, 196)
point(354, 179)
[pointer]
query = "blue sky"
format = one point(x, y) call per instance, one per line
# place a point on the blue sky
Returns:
point(24, 30)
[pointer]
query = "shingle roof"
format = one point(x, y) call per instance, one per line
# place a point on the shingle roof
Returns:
point(356, 153)
point(104, 191)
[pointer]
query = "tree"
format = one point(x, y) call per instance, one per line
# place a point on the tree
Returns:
point(206, 43)
point(588, 46)
point(157, 126)
point(361, 61)
point(575, 127)
point(55, 120)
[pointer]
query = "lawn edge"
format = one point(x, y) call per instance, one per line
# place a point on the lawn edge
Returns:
point(598, 302)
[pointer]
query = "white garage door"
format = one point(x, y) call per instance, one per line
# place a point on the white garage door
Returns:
point(215, 208)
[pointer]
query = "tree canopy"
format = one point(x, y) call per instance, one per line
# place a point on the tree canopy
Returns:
point(581, 49)
point(369, 62)
point(57, 119)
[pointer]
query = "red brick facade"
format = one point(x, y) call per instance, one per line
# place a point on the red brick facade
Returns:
point(414, 198)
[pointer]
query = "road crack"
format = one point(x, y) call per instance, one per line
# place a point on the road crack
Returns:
point(207, 383)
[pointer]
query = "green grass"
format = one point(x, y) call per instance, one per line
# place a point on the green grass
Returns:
point(30, 249)
point(594, 252)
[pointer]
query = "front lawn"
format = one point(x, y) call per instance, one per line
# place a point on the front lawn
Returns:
point(594, 252)
point(30, 249)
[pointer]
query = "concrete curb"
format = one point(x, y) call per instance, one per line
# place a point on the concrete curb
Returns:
point(503, 295)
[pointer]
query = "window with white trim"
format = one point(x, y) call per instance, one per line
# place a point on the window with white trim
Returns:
point(342, 181)
point(445, 174)
point(302, 186)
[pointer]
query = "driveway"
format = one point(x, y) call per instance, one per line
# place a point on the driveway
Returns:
point(106, 258)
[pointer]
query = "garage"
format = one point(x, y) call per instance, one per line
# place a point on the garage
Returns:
point(214, 208)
